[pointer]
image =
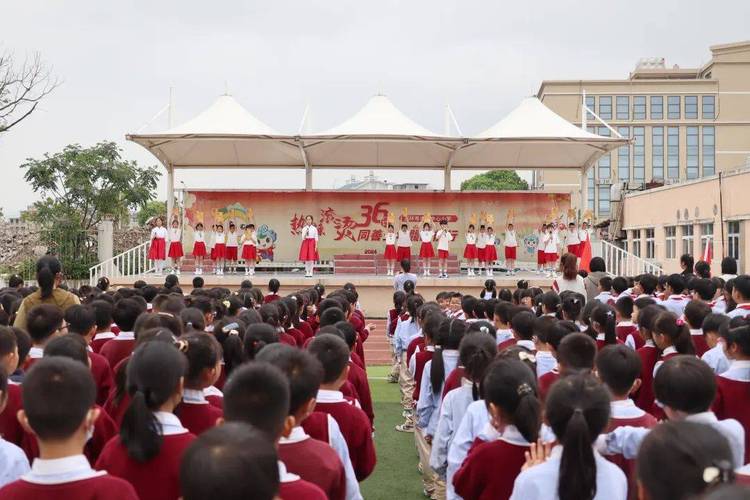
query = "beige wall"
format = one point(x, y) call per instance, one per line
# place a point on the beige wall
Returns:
point(692, 204)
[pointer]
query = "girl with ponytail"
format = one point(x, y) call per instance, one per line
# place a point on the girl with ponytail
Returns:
point(672, 336)
point(148, 451)
point(577, 409)
point(476, 352)
point(510, 394)
point(48, 276)
point(604, 324)
point(203, 355)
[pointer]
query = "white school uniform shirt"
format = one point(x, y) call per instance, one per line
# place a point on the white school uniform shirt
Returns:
point(540, 481)
point(404, 239)
point(718, 306)
point(220, 238)
point(475, 423)
point(426, 236)
point(550, 243)
point(545, 363)
point(199, 236)
point(481, 240)
point(252, 240)
point(310, 233)
point(390, 238)
point(405, 329)
point(502, 335)
point(716, 358)
point(604, 297)
point(584, 235)
point(491, 239)
point(572, 238)
point(61, 470)
point(540, 241)
point(741, 311)
point(428, 405)
point(471, 238)
point(444, 238)
point(159, 232)
point(232, 239)
point(413, 359)
point(175, 234)
point(13, 462)
point(676, 304)
point(510, 239)
point(626, 440)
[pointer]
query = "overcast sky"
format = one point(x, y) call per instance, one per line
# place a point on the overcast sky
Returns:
point(117, 61)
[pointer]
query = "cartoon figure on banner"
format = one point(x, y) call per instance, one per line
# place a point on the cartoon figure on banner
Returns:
point(530, 242)
point(266, 242)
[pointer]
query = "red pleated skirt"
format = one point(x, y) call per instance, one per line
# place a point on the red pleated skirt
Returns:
point(158, 250)
point(426, 251)
point(199, 249)
point(390, 252)
point(249, 252)
point(175, 250)
point(231, 253)
point(490, 253)
point(219, 251)
point(403, 253)
point(470, 252)
point(307, 251)
point(510, 253)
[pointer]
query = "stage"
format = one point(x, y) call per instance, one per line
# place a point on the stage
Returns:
point(375, 292)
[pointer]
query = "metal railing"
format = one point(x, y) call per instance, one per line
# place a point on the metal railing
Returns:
point(131, 262)
point(621, 263)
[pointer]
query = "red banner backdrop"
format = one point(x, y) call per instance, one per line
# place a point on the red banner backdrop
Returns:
point(356, 221)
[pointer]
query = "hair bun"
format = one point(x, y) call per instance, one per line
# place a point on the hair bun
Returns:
point(182, 346)
point(524, 389)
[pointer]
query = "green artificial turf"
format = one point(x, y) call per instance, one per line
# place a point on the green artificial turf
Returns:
point(395, 475)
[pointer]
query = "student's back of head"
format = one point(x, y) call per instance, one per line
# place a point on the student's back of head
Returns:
point(80, 319)
point(523, 325)
point(576, 353)
point(476, 352)
point(577, 409)
point(258, 394)
point(58, 396)
point(332, 316)
point(233, 461)
point(695, 312)
point(682, 460)
point(126, 312)
point(257, 336)
point(70, 346)
point(43, 321)
point(333, 354)
point(303, 371)
point(510, 392)
point(618, 367)
point(685, 384)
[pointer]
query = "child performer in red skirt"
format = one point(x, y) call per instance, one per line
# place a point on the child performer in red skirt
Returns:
point(249, 249)
point(403, 244)
point(175, 246)
point(490, 252)
point(482, 248)
point(390, 250)
point(540, 258)
point(199, 247)
point(470, 251)
point(511, 246)
point(444, 238)
point(426, 252)
point(573, 240)
point(158, 250)
point(233, 244)
point(550, 250)
point(308, 251)
point(219, 250)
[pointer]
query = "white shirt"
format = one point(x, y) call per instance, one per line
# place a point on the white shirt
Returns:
point(232, 239)
point(444, 239)
point(540, 481)
point(716, 358)
point(577, 285)
point(482, 240)
point(426, 236)
point(252, 240)
point(390, 238)
point(540, 242)
point(545, 363)
point(310, 233)
point(583, 235)
point(159, 232)
point(404, 239)
point(13, 462)
point(471, 238)
point(550, 243)
point(572, 238)
point(219, 238)
point(741, 311)
point(61, 470)
point(676, 304)
point(199, 236)
point(174, 234)
point(490, 239)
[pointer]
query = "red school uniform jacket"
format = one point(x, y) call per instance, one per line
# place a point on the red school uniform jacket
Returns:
point(417, 342)
point(287, 339)
point(271, 297)
point(699, 343)
point(10, 428)
point(155, 479)
point(357, 360)
point(601, 345)
point(546, 381)
point(355, 427)
point(104, 430)
point(453, 381)
point(508, 343)
point(421, 359)
point(306, 329)
point(358, 378)
point(649, 354)
point(733, 401)
point(299, 338)
point(299, 489)
point(103, 377)
point(102, 487)
point(316, 426)
point(198, 417)
point(489, 470)
point(315, 462)
point(100, 339)
point(116, 350)
point(625, 328)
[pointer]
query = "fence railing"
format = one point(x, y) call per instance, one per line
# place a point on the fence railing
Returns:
point(131, 262)
point(621, 263)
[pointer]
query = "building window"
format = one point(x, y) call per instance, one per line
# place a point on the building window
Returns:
point(657, 107)
point(691, 106)
point(650, 244)
point(688, 232)
point(673, 153)
point(623, 107)
point(657, 152)
point(605, 107)
point(605, 162)
point(637, 242)
point(709, 159)
point(604, 197)
point(707, 238)
point(733, 240)
point(591, 104)
point(639, 107)
point(670, 238)
point(673, 107)
point(591, 189)
point(692, 153)
point(639, 154)
point(623, 156)
point(624, 245)
point(709, 108)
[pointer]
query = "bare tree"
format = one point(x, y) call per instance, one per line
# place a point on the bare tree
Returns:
point(21, 88)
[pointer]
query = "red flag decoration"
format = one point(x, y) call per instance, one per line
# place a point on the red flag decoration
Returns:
point(708, 252)
point(585, 255)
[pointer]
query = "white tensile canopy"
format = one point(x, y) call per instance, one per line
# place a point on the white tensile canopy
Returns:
point(378, 136)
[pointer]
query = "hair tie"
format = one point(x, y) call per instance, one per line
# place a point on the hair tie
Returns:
point(526, 356)
point(680, 322)
point(524, 389)
point(226, 303)
point(189, 324)
point(578, 410)
point(182, 346)
point(484, 329)
point(234, 332)
point(610, 314)
point(719, 472)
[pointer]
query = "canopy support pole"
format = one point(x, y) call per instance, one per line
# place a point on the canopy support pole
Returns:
point(447, 176)
point(170, 195)
point(308, 167)
point(584, 185)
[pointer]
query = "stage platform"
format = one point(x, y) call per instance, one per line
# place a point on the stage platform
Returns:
point(375, 292)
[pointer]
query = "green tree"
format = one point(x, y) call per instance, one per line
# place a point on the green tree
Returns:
point(495, 180)
point(79, 188)
point(152, 208)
